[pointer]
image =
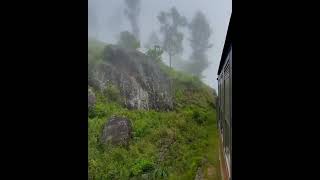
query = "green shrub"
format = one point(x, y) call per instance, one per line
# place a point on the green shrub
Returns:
point(91, 112)
point(142, 166)
point(99, 111)
point(112, 93)
point(199, 116)
point(155, 53)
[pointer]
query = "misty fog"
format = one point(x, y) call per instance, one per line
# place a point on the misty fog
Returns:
point(107, 19)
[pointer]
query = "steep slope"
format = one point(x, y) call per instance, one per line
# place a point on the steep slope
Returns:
point(174, 130)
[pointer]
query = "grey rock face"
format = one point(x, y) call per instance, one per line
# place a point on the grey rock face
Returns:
point(91, 98)
point(141, 82)
point(117, 131)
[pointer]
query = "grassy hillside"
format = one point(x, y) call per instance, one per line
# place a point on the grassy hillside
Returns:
point(165, 145)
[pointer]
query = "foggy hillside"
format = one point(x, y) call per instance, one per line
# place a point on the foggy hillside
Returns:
point(152, 88)
point(107, 19)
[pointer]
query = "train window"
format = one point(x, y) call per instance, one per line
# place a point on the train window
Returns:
point(222, 97)
point(227, 94)
point(227, 108)
point(227, 102)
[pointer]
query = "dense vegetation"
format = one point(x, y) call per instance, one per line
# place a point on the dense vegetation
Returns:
point(165, 145)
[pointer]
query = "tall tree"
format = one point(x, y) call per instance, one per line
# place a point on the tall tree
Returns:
point(200, 34)
point(132, 12)
point(170, 23)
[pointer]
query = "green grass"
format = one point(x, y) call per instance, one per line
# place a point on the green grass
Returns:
point(169, 144)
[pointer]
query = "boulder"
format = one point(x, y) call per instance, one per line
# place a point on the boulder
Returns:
point(117, 131)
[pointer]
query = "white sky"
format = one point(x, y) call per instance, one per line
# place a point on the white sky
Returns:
point(111, 21)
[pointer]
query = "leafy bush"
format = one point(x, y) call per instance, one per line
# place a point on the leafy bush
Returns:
point(142, 166)
point(155, 53)
point(112, 93)
point(199, 116)
point(98, 111)
point(91, 113)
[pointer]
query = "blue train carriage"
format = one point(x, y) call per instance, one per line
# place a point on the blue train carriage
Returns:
point(224, 107)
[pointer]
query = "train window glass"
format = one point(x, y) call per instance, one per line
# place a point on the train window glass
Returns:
point(227, 94)
point(227, 104)
point(222, 97)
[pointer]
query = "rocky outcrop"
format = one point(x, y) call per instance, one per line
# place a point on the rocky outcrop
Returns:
point(140, 80)
point(117, 131)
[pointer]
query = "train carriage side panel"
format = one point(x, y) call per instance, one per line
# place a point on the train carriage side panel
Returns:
point(225, 104)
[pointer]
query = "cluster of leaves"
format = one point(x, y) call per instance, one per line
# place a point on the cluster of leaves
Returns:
point(112, 93)
point(172, 43)
point(155, 53)
point(142, 166)
point(170, 23)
